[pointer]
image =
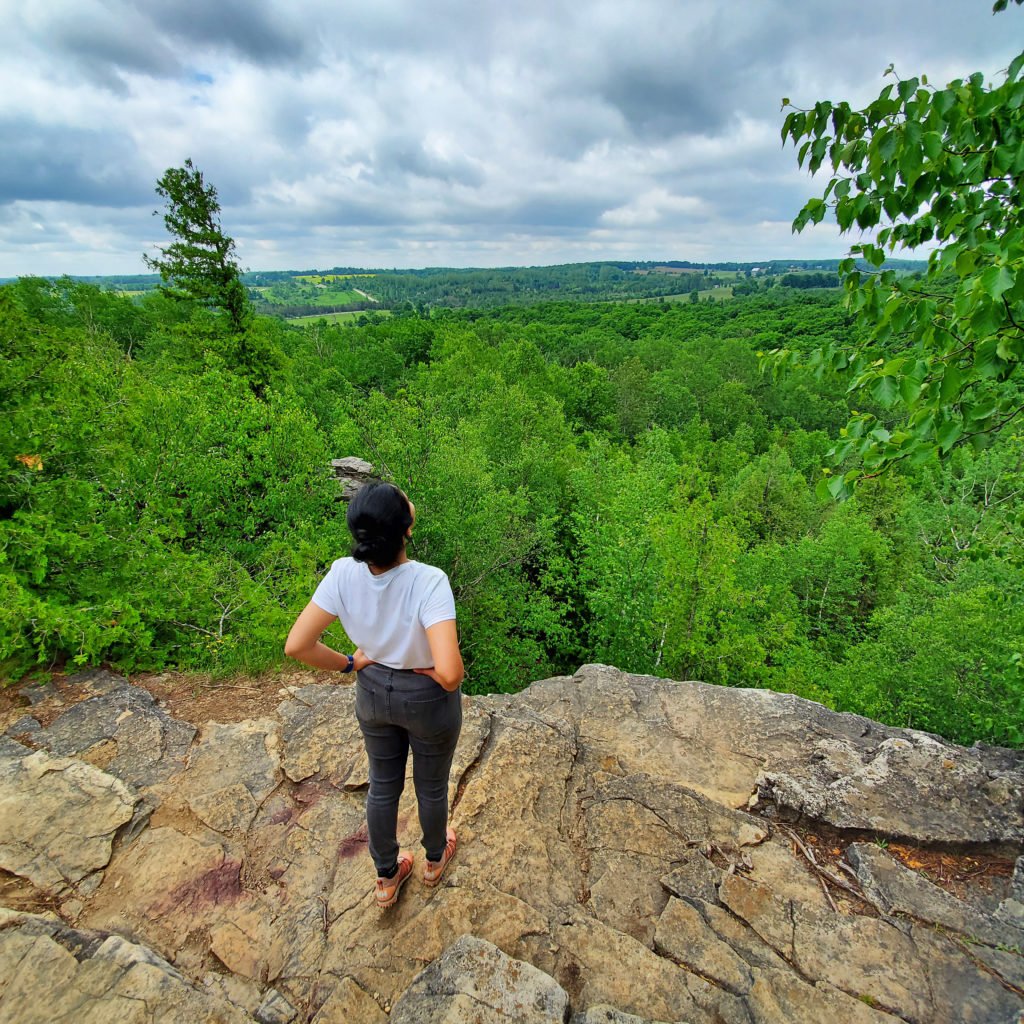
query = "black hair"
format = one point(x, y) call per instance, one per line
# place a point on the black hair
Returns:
point(378, 517)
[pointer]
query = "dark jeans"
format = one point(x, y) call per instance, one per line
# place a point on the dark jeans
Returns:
point(399, 709)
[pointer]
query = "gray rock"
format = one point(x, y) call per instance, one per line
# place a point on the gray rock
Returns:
point(911, 784)
point(37, 692)
point(475, 981)
point(97, 681)
point(352, 464)
point(50, 974)
point(12, 748)
point(895, 889)
point(25, 728)
point(608, 1015)
point(146, 746)
point(683, 935)
point(1010, 914)
point(353, 473)
point(695, 877)
point(58, 818)
point(1011, 910)
point(275, 1009)
point(961, 980)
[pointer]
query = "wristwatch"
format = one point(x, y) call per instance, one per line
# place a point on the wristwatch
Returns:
point(351, 662)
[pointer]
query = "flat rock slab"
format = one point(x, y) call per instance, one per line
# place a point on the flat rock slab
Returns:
point(475, 981)
point(52, 974)
point(873, 960)
point(895, 889)
point(121, 728)
point(58, 817)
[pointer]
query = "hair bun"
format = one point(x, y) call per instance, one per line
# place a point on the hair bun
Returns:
point(378, 517)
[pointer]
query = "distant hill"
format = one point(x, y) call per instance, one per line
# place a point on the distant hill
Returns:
point(302, 293)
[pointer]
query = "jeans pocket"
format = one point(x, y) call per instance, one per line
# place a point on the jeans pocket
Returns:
point(429, 716)
point(365, 710)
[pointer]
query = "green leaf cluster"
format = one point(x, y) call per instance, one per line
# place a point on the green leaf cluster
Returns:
point(942, 168)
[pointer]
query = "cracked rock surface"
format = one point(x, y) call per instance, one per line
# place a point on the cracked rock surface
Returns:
point(625, 855)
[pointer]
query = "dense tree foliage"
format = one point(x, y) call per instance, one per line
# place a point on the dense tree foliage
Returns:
point(925, 166)
point(612, 482)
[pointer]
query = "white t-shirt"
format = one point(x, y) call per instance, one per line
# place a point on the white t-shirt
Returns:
point(388, 615)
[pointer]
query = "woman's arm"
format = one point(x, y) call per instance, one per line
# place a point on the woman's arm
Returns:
point(304, 645)
point(448, 670)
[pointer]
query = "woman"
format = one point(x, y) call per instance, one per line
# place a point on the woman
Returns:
point(401, 615)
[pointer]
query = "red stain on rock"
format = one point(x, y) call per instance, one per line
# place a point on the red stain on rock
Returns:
point(283, 816)
point(222, 884)
point(353, 844)
point(308, 793)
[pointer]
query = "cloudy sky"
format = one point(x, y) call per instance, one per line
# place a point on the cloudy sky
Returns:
point(411, 133)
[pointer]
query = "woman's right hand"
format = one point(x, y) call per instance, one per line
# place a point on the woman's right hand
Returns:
point(360, 660)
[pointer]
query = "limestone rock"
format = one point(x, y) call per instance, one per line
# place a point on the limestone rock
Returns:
point(607, 838)
point(353, 473)
point(50, 974)
point(165, 886)
point(902, 786)
point(224, 809)
point(320, 735)
point(608, 1015)
point(122, 725)
point(895, 889)
point(275, 1009)
point(474, 980)
point(871, 959)
point(58, 818)
point(244, 753)
point(683, 935)
point(694, 876)
point(781, 996)
point(348, 1003)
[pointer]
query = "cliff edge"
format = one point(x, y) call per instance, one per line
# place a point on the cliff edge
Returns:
point(631, 848)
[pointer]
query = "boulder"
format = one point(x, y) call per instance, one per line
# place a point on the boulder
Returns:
point(475, 981)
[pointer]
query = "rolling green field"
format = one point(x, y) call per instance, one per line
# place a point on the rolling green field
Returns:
point(336, 318)
point(321, 278)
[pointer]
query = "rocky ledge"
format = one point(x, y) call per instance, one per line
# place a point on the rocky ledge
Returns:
point(631, 849)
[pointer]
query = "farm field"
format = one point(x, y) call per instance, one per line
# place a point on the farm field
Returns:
point(321, 278)
point(336, 318)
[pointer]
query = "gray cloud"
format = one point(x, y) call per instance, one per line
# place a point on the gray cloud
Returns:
point(249, 30)
point(403, 133)
point(73, 165)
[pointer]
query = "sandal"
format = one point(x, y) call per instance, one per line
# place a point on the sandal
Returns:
point(435, 869)
point(386, 892)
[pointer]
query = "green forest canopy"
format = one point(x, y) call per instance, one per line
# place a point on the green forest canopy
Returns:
point(603, 482)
